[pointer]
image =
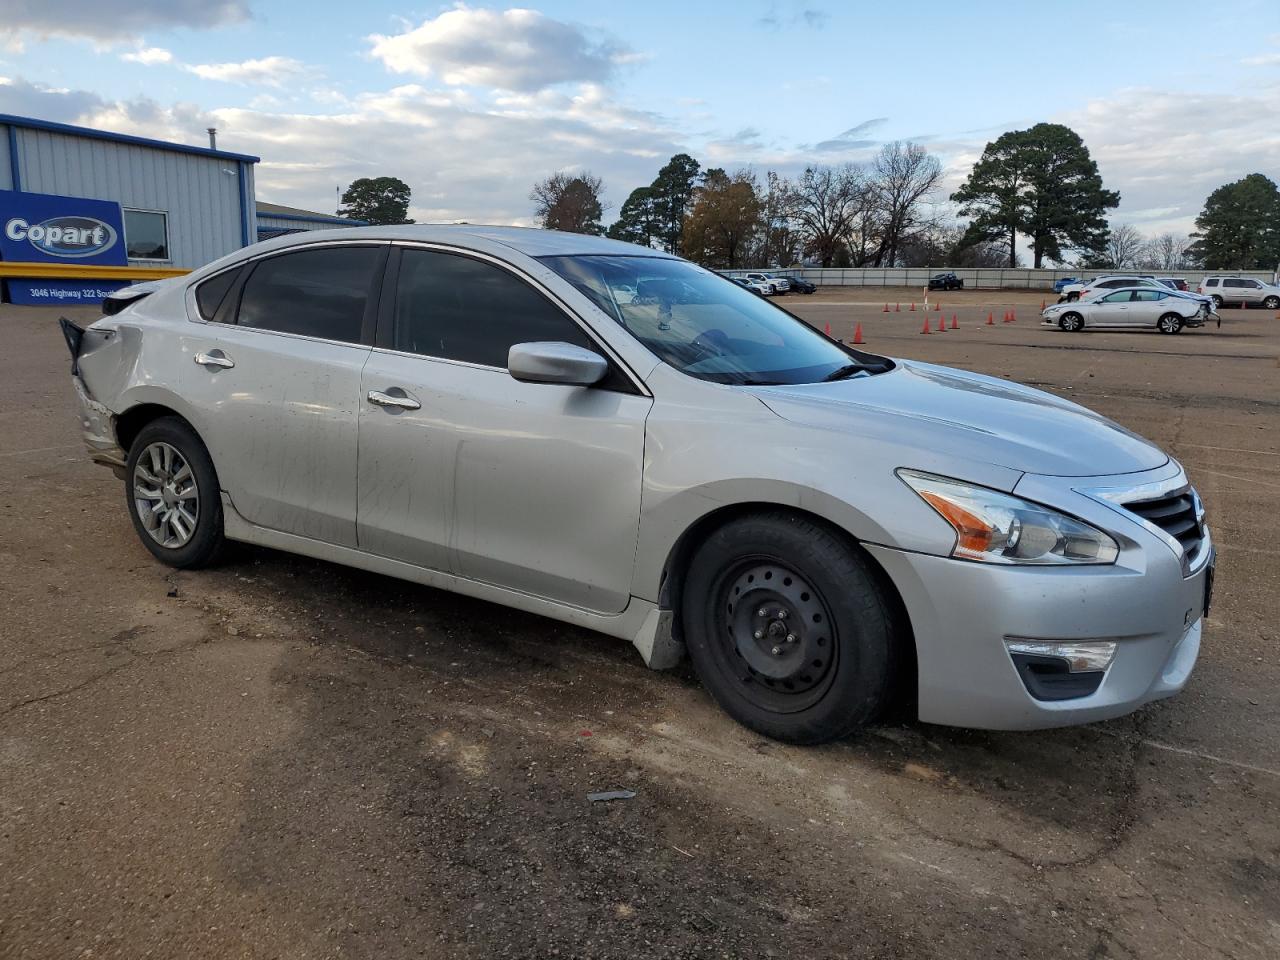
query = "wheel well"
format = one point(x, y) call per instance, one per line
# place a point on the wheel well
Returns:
point(681, 555)
point(130, 423)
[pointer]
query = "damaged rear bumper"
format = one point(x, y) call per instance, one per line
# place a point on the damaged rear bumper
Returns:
point(98, 428)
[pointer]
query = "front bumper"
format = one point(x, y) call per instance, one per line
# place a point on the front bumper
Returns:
point(962, 613)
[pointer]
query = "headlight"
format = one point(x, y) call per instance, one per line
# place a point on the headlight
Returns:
point(995, 527)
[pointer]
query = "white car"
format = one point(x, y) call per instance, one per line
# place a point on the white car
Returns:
point(775, 284)
point(1100, 285)
point(1236, 290)
point(1130, 307)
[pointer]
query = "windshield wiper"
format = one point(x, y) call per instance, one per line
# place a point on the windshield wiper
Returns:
point(848, 370)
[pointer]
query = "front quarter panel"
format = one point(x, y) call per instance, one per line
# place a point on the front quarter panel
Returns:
point(708, 447)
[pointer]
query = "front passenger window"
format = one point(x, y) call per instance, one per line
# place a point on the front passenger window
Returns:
point(316, 293)
point(462, 308)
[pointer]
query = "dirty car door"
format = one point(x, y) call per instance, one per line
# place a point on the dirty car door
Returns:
point(532, 487)
point(276, 385)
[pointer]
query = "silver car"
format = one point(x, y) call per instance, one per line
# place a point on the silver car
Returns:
point(619, 439)
point(1140, 307)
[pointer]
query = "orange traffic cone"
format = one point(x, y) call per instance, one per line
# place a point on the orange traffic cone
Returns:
point(925, 328)
point(886, 309)
point(1013, 316)
point(1042, 305)
point(1007, 317)
point(913, 306)
point(991, 319)
point(954, 324)
point(938, 305)
point(897, 308)
point(1278, 314)
point(1243, 305)
point(942, 324)
point(857, 334)
point(828, 330)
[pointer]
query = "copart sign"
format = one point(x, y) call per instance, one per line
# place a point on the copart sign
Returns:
point(46, 228)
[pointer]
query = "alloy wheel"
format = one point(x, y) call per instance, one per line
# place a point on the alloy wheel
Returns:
point(166, 495)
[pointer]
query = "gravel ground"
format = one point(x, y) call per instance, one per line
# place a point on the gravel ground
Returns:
point(285, 758)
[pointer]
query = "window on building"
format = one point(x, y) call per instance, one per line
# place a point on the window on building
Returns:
point(463, 309)
point(315, 293)
point(146, 235)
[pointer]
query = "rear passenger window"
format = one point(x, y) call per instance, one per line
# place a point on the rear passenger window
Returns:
point(459, 308)
point(1232, 283)
point(211, 293)
point(315, 293)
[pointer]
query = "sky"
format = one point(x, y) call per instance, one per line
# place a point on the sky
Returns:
point(471, 103)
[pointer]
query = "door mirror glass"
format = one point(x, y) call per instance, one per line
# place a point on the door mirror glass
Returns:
point(565, 363)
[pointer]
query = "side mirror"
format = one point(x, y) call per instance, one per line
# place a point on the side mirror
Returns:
point(556, 363)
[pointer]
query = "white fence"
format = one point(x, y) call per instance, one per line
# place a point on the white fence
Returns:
point(981, 278)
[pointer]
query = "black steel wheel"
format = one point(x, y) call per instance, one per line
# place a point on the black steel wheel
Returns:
point(789, 627)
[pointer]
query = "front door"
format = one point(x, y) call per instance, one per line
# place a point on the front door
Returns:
point(1112, 310)
point(274, 387)
point(532, 487)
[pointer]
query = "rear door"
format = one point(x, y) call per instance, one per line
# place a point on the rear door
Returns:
point(532, 487)
point(1233, 291)
point(274, 380)
point(1146, 307)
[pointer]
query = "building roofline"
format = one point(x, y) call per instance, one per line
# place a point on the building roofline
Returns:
point(317, 218)
point(31, 123)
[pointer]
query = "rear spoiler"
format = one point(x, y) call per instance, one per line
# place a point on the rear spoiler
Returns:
point(117, 300)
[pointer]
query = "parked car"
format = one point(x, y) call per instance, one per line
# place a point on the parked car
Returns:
point(780, 285)
point(1240, 290)
point(801, 285)
point(827, 532)
point(945, 281)
point(759, 289)
point(1063, 282)
point(1178, 283)
point(1139, 306)
point(1099, 285)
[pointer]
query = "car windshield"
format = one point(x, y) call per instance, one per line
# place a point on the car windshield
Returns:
point(707, 327)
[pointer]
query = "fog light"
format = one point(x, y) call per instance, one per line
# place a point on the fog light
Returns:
point(1061, 670)
point(1081, 656)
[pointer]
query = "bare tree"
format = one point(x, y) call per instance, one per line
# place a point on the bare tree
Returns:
point(569, 202)
point(1125, 245)
point(824, 203)
point(902, 176)
point(1167, 251)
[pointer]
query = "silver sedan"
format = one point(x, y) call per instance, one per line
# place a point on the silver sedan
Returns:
point(616, 438)
point(1130, 307)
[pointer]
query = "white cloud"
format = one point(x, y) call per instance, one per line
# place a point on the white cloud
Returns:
point(464, 158)
point(267, 71)
point(149, 56)
point(519, 50)
point(113, 19)
point(1263, 60)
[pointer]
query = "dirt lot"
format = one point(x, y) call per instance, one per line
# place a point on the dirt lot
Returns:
point(283, 758)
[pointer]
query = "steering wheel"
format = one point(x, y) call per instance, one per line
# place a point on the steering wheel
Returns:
point(711, 342)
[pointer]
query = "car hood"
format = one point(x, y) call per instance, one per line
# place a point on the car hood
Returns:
point(971, 416)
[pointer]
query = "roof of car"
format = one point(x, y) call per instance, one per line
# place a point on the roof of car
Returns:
point(527, 240)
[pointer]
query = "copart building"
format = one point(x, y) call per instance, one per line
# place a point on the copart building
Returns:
point(85, 211)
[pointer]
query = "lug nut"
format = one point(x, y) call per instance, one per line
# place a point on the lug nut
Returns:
point(762, 612)
point(777, 651)
point(782, 614)
point(759, 634)
point(791, 638)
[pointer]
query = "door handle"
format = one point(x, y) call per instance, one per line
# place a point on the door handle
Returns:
point(403, 401)
point(214, 358)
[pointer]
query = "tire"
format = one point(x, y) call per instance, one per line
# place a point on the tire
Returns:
point(1071, 322)
point(176, 532)
point(1217, 302)
point(1170, 323)
point(1271, 303)
point(834, 673)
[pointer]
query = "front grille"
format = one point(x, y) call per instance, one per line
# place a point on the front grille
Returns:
point(1176, 516)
